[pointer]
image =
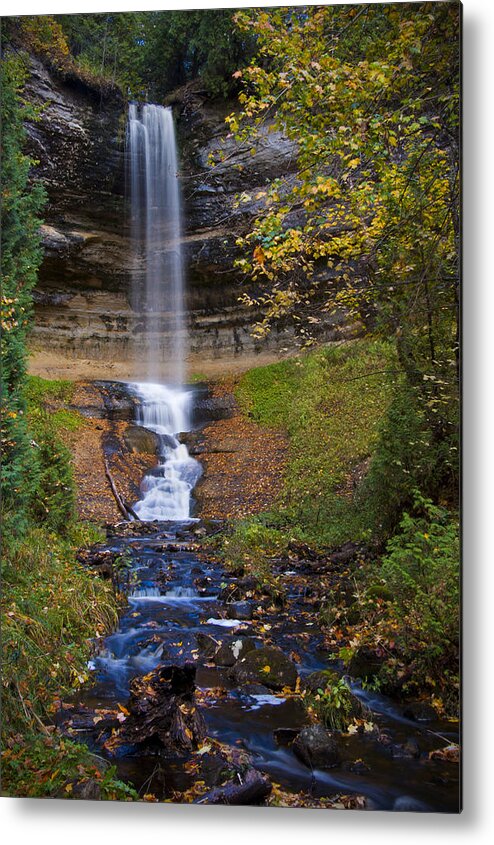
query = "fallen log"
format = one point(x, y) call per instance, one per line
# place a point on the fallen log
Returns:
point(254, 789)
point(131, 511)
point(127, 512)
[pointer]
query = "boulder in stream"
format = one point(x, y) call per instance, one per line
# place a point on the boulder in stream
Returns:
point(239, 610)
point(420, 711)
point(317, 748)
point(206, 644)
point(268, 666)
point(229, 652)
point(141, 440)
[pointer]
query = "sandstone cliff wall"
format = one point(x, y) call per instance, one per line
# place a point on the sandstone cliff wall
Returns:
point(82, 301)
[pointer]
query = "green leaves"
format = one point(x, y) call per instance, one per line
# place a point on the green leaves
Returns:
point(21, 256)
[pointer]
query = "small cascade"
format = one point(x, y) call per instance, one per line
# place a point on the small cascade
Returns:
point(166, 490)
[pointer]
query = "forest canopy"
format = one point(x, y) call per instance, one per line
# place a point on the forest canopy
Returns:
point(147, 54)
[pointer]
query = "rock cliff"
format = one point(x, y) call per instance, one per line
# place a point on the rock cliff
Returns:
point(82, 301)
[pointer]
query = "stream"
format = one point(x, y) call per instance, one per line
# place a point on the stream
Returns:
point(176, 594)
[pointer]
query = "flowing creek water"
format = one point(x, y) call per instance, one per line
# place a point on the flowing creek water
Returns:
point(176, 594)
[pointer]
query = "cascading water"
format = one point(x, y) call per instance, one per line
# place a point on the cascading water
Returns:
point(157, 297)
point(166, 490)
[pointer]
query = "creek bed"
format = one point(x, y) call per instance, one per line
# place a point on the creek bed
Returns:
point(160, 626)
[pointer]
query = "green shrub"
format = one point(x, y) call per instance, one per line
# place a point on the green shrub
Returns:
point(408, 456)
point(412, 617)
point(249, 547)
point(333, 704)
point(421, 569)
point(22, 201)
point(52, 608)
point(54, 501)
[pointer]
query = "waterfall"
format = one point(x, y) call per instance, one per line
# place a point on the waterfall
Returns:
point(157, 299)
point(158, 276)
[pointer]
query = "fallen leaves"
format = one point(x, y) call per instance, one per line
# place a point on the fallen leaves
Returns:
point(450, 754)
point(243, 462)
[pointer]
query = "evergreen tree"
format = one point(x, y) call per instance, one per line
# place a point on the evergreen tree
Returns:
point(20, 258)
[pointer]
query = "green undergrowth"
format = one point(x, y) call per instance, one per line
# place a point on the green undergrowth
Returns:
point(251, 547)
point(365, 465)
point(46, 766)
point(51, 607)
point(331, 403)
point(406, 609)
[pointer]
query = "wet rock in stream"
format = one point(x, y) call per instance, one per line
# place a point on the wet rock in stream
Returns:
point(317, 748)
point(142, 440)
point(253, 789)
point(207, 645)
point(269, 666)
point(239, 610)
point(229, 652)
point(420, 711)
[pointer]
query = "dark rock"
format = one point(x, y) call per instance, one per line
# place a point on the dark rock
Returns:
point(229, 652)
point(404, 751)
point(119, 402)
point(207, 645)
point(346, 553)
point(142, 440)
point(420, 711)
point(239, 610)
point(320, 680)
point(302, 550)
point(210, 408)
point(365, 663)
point(411, 748)
point(317, 748)
point(253, 788)
point(204, 586)
point(255, 689)
point(213, 769)
point(285, 736)
point(238, 590)
point(358, 767)
point(84, 790)
point(268, 666)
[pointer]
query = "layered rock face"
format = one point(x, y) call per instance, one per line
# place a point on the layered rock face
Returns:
point(82, 305)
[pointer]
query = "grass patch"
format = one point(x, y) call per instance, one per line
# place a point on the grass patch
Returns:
point(52, 609)
point(331, 403)
point(41, 390)
point(250, 548)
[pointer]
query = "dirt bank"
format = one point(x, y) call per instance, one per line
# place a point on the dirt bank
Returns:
point(52, 366)
point(243, 462)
